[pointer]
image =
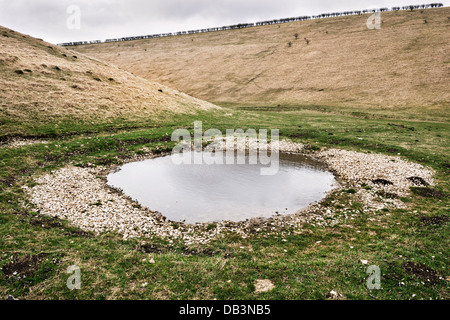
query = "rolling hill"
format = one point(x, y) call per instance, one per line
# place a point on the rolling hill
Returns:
point(333, 62)
point(44, 87)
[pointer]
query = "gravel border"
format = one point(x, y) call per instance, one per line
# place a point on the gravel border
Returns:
point(19, 142)
point(82, 196)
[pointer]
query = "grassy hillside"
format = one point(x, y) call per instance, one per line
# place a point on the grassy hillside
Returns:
point(405, 64)
point(45, 89)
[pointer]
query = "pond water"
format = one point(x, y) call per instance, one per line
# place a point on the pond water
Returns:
point(208, 193)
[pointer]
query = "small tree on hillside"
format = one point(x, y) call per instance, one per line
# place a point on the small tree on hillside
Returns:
point(296, 36)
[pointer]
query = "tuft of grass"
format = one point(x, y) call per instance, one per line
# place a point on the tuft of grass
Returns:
point(211, 226)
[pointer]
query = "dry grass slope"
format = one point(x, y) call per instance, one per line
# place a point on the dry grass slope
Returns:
point(44, 83)
point(405, 64)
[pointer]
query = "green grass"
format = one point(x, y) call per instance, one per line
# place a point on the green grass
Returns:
point(304, 263)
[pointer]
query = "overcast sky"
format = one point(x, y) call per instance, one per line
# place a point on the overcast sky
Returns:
point(103, 19)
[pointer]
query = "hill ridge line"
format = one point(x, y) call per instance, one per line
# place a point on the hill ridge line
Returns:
point(256, 24)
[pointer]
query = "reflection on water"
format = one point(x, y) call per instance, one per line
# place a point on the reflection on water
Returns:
point(208, 193)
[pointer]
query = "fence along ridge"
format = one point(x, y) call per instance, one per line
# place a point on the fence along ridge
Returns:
point(256, 24)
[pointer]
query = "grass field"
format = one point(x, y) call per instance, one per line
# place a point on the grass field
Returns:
point(410, 245)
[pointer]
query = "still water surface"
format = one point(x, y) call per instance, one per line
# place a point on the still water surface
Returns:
point(208, 193)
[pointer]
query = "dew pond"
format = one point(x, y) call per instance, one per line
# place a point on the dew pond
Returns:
point(200, 193)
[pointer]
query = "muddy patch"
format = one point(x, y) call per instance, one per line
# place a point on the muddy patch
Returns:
point(434, 221)
point(383, 182)
point(421, 271)
point(46, 223)
point(21, 267)
point(418, 181)
point(428, 192)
